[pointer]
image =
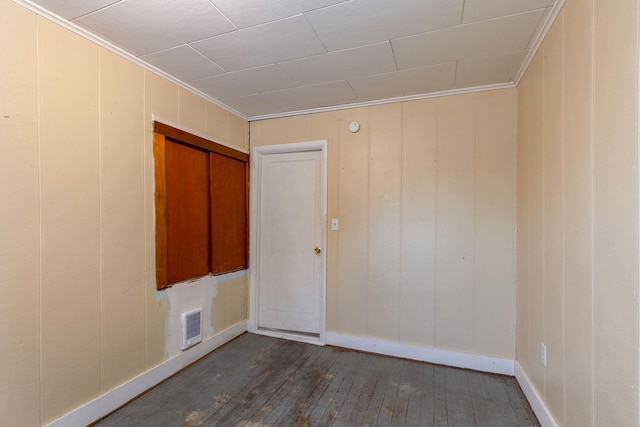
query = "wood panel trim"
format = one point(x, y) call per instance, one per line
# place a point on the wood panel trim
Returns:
point(161, 209)
point(191, 139)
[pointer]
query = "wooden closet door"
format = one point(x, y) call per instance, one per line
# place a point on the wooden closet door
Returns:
point(188, 224)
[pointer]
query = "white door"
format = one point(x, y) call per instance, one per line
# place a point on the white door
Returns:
point(290, 277)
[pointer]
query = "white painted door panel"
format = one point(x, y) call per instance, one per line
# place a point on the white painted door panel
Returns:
point(291, 227)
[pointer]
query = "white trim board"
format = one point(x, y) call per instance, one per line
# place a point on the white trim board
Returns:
point(535, 400)
point(116, 397)
point(254, 208)
point(424, 354)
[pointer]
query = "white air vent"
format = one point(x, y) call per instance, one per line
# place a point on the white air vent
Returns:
point(191, 328)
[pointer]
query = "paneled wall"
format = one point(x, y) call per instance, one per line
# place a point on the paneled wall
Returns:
point(578, 215)
point(425, 195)
point(79, 313)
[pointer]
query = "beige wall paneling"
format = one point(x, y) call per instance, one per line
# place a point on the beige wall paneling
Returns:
point(238, 130)
point(455, 227)
point(578, 202)
point(327, 126)
point(495, 251)
point(616, 213)
point(19, 215)
point(122, 218)
point(216, 122)
point(161, 98)
point(383, 259)
point(536, 241)
point(418, 234)
point(267, 132)
point(193, 111)
point(523, 210)
point(71, 311)
point(353, 237)
point(281, 131)
point(553, 218)
point(385, 165)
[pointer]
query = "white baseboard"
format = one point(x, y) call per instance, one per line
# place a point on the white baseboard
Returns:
point(536, 402)
point(113, 399)
point(424, 354)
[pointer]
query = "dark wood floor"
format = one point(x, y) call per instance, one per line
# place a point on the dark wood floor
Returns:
point(259, 381)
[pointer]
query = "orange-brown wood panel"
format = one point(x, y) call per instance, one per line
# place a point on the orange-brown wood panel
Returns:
point(228, 213)
point(188, 224)
point(161, 210)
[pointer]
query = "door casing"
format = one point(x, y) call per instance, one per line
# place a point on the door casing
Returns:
point(254, 244)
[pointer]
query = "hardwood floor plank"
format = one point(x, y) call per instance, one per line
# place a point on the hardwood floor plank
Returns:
point(366, 392)
point(258, 381)
point(388, 408)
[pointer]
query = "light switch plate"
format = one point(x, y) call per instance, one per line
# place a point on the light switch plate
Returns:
point(335, 224)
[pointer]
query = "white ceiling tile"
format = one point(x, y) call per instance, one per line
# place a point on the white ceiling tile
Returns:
point(251, 105)
point(405, 82)
point(312, 96)
point(183, 62)
point(246, 82)
point(247, 13)
point(477, 10)
point(490, 69)
point(361, 22)
point(142, 26)
point(261, 45)
point(483, 38)
point(341, 65)
point(71, 9)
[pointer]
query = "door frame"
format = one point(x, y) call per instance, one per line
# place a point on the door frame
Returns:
point(254, 243)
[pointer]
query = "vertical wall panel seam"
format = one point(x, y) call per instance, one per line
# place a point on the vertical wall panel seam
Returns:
point(368, 269)
point(435, 226)
point(562, 207)
point(145, 209)
point(401, 222)
point(544, 216)
point(100, 217)
point(475, 213)
point(593, 207)
point(40, 223)
point(637, 231)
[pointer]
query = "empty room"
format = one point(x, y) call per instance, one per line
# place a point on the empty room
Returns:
point(319, 212)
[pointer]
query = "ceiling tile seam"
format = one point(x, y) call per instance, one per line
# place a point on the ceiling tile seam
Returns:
point(466, 24)
point(103, 42)
point(225, 17)
point(354, 91)
point(326, 50)
point(202, 54)
point(464, 4)
point(193, 49)
point(94, 11)
point(393, 52)
point(538, 41)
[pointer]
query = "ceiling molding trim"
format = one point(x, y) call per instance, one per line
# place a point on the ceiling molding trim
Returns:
point(75, 28)
point(555, 11)
point(384, 101)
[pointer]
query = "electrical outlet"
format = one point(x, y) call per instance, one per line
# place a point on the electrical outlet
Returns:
point(543, 354)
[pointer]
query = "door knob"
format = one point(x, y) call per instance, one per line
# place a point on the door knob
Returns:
point(317, 249)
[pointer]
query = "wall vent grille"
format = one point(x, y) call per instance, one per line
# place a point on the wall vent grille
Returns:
point(191, 328)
